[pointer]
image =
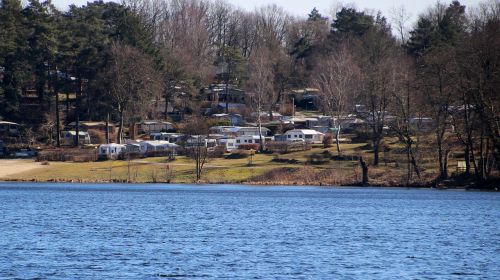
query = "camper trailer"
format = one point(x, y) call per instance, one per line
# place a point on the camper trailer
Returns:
point(111, 151)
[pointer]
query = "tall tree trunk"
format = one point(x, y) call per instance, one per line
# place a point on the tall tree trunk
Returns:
point(227, 86)
point(467, 159)
point(261, 146)
point(364, 169)
point(120, 128)
point(77, 111)
point(376, 150)
point(445, 163)
point(58, 128)
point(77, 131)
point(337, 140)
point(107, 129)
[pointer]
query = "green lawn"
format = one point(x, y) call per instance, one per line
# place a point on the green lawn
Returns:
point(221, 170)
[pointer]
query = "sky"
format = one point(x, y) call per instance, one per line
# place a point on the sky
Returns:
point(304, 7)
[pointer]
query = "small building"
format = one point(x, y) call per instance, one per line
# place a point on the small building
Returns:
point(86, 125)
point(9, 128)
point(218, 92)
point(308, 135)
point(68, 137)
point(153, 126)
point(111, 151)
point(233, 119)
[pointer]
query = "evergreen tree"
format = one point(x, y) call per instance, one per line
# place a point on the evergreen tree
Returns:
point(42, 47)
point(351, 22)
point(13, 65)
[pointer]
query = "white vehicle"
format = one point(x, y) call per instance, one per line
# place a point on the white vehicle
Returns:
point(234, 144)
point(111, 151)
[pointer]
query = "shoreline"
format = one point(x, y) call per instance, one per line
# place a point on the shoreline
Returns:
point(249, 184)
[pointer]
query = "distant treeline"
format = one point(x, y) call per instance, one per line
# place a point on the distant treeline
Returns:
point(113, 59)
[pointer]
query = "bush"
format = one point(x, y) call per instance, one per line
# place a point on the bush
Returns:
point(216, 122)
point(285, 147)
point(249, 147)
point(237, 154)
point(99, 137)
point(327, 141)
point(321, 158)
point(77, 155)
point(362, 137)
point(218, 151)
point(285, 160)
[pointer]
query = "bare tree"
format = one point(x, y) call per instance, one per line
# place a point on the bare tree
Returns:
point(400, 18)
point(336, 76)
point(374, 51)
point(406, 104)
point(260, 85)
point(133, 82)
point(197, 128)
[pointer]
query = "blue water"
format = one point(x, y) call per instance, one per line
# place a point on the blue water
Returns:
point(79, 231)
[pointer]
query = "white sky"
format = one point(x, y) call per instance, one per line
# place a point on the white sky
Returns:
point(303, 7)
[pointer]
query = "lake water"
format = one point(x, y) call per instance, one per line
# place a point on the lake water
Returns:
point(91, 231)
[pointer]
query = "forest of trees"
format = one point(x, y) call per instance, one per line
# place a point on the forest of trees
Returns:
point(115, 58)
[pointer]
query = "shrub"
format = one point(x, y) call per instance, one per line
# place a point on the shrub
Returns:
point(362, 137)
point(218, 151)
point(99, 137)
point(318, 159)
point(285, 160)
point(249, 147)
point(327, 141)
point(216, 122)
point(237, 154)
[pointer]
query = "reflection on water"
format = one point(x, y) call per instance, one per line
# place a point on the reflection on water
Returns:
point(62, 231)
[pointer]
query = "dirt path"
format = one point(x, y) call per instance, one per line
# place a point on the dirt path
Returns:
point(13, 166)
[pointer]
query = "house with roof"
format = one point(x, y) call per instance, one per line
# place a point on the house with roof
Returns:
point(233, 119)
point(154, 126)
point(86, 125)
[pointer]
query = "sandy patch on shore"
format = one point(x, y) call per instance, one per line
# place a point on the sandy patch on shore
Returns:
point(13, 166)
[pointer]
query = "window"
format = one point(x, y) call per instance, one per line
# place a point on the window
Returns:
point(289, 136)
point(246, 141)
point(309, 136)
point(257, 141)
point(238, 141)
point(295, 136)
point(300, 135)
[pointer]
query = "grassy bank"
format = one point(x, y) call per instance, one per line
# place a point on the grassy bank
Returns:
point(317, 166)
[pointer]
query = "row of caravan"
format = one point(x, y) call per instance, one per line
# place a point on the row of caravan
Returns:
point(114, 151)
